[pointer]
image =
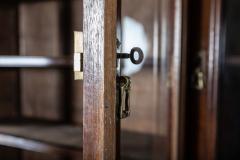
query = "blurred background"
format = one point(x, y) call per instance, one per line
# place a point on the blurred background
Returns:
point(184, 101)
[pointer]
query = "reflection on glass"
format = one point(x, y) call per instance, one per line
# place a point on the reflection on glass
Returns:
point(133, 36)
point(144, 133)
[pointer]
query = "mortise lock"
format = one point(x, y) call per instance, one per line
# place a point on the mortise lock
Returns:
point(78, 55)
point(198, 79)
point(198, 76)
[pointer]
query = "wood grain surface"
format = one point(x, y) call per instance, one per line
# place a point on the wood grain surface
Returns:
point(99, 87)
point(9, 93)
point(40, 35)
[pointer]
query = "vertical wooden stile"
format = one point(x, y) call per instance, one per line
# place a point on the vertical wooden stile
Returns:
point(99, 84)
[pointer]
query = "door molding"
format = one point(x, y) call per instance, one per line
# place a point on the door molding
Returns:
point(212, 80)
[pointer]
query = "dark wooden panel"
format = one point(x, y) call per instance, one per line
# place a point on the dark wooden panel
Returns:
point(8, 44)
point(37, 156)
point(9, 94)
point(40, 35)
point(228, 126)
point(212, 81)
point(201, 113)
point(99, 87)
point(42, 96)
point(77, 15)
point(77, 86)
point(77, 102)
point(9, 32)
point(7, 153)
point(198, 43)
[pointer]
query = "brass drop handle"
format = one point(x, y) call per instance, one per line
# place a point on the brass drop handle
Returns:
point(132, 55)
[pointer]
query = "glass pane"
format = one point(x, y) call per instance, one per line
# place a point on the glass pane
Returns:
point(144, 135)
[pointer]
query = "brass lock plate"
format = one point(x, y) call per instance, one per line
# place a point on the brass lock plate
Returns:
point(78, 55)
point(124, 89)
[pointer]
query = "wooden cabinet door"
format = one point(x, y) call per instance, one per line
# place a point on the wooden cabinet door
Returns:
point(99, 84)
point(157, 85)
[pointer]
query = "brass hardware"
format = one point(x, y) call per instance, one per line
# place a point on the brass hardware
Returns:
point(198, 79)
point(78, 55)
point(124, 82)
point(118, 44)
point(124, 97)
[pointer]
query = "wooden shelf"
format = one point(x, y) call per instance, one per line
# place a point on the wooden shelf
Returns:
point(35, 62)
point(60, 139)
point(67, 140)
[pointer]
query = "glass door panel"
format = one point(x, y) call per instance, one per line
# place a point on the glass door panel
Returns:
point(145, 134)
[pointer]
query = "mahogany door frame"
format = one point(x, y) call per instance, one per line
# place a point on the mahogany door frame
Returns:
point(213, 78)
point(208, 149)
point(202, 105)
point(99, 84)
